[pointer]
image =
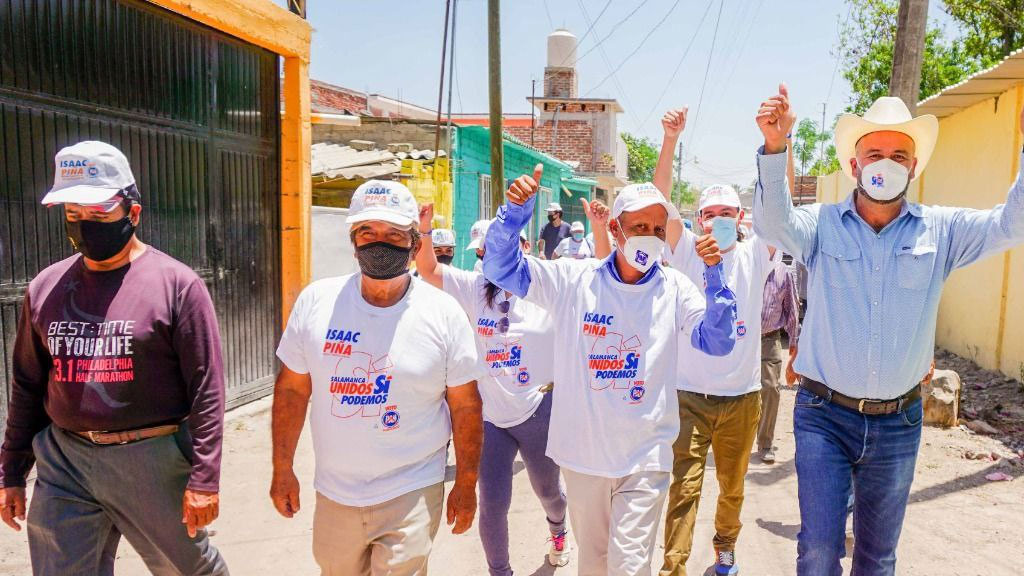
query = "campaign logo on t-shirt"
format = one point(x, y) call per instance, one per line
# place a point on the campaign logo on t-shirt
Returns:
point(361, 385)
point(338, 342)
point(523, 377)
point(741, 329)
point(390, 418)
point(486, 326)
point(636, 393)
point(614, 359)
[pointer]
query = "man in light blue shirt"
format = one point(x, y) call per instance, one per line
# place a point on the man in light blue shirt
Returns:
point(877, 264)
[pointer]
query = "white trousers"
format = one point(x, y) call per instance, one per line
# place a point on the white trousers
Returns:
point(615, 520)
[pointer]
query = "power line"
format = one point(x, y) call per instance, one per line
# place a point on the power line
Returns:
point(614, 27)
point(607, 61)
point(737, 57)
point(637, 49)
point(679, 64)
point(590, 28)
point(707, 70)
point(548, 11)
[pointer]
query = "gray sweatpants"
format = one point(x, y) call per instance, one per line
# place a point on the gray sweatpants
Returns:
point(86, 497)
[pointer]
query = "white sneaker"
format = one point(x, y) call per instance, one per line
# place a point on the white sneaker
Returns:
point(558, 552)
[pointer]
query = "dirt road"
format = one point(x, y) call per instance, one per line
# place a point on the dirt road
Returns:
point(958, 524)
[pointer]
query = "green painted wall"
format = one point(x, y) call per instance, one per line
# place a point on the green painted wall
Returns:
point(472, 157)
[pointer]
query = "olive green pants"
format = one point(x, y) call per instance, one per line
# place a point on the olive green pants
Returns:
point(728, 427)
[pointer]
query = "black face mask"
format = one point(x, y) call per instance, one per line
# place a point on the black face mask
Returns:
point(551, 217)
point(445, 259)
point(479, 256)
point(383, 261)
point(100, 241)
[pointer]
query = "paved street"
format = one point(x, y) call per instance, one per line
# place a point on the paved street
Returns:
point(958, 524)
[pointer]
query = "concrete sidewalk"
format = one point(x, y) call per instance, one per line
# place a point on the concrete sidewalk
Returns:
point(958, 523)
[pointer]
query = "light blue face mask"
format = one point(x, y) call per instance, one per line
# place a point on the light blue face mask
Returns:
point(723, 228)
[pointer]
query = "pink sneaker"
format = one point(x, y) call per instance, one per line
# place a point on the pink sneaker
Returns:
point(558, 552)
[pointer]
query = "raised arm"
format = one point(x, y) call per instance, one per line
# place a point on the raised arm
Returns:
point(716, 334)
point(775, 219)
point(504, 263)
point(977, 233)
point(598, 213)
point(426, 261)
point(674, 121)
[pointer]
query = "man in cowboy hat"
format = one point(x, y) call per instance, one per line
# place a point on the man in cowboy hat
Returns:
point(876, 265)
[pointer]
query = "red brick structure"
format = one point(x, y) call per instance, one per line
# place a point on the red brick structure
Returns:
point(329, 98)
point(560, 82)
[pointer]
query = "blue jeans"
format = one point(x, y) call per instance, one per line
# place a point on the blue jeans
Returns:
point(838, 449)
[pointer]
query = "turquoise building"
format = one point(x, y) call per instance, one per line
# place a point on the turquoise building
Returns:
point(472, 198)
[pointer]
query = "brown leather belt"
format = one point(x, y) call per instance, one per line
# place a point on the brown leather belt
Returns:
point(127, 436)
point(862, 405)
point(714, 398)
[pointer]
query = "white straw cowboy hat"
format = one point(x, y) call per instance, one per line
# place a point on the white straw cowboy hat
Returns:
point(888, 113)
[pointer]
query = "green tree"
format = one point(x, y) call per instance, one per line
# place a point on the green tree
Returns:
point(830, 164)
point(991, 28)
point(684, 194)
point(641, 158)
point(805, 144)
point(866, 47)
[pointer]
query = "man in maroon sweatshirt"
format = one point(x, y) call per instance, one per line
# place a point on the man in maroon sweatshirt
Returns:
point(118, 391)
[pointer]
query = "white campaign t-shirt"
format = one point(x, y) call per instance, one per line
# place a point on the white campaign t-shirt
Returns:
point(746, 270)
point(379, 417)
point(614, 410)
point(569, 248)
point(518, 362)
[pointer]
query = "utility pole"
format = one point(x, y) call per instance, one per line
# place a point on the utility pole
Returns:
point(908, 53)
point(494, 90)
point(533, 109)
point(821, 143)
point(440, 86)
point(679, 172)
point(451, 81)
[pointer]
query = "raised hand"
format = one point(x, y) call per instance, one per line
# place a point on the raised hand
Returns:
point(674, 122)
point(525, 187)
point(707, 250)
point(775, 118)
point(597, 213)
point(426, 217)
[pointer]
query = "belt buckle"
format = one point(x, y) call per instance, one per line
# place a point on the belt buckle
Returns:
point(860, 405)
point(92, 436)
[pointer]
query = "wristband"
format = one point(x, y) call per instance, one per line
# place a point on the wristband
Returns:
point(426, 233)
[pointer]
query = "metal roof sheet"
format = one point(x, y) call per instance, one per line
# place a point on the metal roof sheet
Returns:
point(976, 88)
point(333, 161)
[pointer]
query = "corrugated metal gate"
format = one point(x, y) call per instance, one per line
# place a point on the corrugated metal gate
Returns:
point(195, 111)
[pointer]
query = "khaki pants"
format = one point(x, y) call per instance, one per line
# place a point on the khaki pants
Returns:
point(392, 538)
point(728, 427)
point(771, 372)
point(615, 521)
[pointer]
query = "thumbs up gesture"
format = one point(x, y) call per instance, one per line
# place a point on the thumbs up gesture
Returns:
point(775, 118)
point(525, 187)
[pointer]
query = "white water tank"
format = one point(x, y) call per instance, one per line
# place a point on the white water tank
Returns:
point(561, 49)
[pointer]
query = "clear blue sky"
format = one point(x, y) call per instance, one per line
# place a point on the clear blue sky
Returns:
point(393, 48)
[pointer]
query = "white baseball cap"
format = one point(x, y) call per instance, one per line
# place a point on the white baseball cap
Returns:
point(442, 237)
point(719, 195)
point(576, 226)
point(89, 173)
point(383, 200)
point(554, 207)
point(639, 196)
point(477, 233)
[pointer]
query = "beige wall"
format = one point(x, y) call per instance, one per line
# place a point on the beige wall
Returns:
point(974, 164)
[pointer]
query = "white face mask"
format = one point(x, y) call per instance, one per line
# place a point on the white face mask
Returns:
point(884, 180)
point(642, 252)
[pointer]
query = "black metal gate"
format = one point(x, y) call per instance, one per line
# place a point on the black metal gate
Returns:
point(195, 111)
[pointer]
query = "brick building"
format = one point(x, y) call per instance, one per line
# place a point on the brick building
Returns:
point(582, 132)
